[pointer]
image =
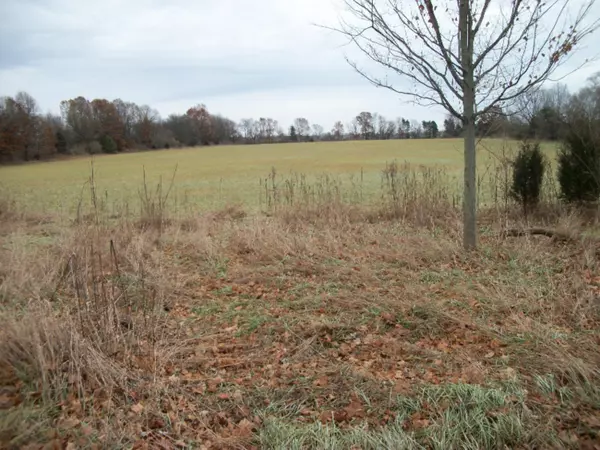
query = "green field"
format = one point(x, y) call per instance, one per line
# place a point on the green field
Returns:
point(210, 177)
point(318, 325)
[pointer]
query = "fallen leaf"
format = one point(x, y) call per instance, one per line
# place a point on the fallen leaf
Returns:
point(246, 424)
point(68, 423)
point(442, 345)
point(592, 421)
point(401, 387)
point(213, 385)
point(355, 410)
point(568, 437)
point(8, 401)
point(388, 318)
point(418, 421)
point(55, 444)
point(321, 382)
point(140, 445)
point(137, 408)
point(86, 429)
point(156, 423)
point(222, 419)
point(423, 423)
point(326, 416)
point(199, 389)
point(344, 349)
point(510, 373)
point(340, 415)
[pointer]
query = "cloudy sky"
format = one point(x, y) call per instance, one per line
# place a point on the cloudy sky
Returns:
point(240, 58)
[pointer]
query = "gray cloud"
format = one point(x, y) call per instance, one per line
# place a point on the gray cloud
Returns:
point(240, 58)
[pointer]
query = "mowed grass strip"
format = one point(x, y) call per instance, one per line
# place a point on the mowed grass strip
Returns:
point(210, 177)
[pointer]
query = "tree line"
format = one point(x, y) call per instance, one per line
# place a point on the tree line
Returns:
point(103, 126)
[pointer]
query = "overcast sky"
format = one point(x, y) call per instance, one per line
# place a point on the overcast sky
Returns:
point(240, 58)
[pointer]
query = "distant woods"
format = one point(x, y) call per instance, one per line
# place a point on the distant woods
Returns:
point(102, 126)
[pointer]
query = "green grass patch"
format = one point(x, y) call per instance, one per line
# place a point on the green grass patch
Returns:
point(207, 310)
point(449, 416)
point(281, 435)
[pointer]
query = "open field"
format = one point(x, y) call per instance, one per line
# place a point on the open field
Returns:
point(211, 177)
point(320, 325)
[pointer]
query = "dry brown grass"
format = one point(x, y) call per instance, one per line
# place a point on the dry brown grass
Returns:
point(235, 330)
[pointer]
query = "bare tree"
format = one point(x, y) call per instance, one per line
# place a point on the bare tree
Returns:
point(15, 129)
point(225, 130)
point(148, 119)
point(378, 123)
point(338, 131)
point(128, 113)
point(385, 128)
point(466, 56)
point(262, 130)
point(365, 122)
point(543, 110)
point(78, 115)
point(265, 129)
point(271, 129)
point(558, 97)
point(302, 128)
point(390, 129)
point(415, 129)
point(403, 127)
point(247, 127)
point(317, 131)
point(452, 126)
point(28, 103)
point(532, 102)
point(280, 133)
point(353, 129)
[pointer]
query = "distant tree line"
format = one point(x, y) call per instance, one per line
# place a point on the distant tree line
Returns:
point(103, 126)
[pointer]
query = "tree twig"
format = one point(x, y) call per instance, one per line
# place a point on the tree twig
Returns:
point(553, 234)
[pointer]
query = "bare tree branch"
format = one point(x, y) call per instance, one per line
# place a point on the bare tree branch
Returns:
point(467, 56)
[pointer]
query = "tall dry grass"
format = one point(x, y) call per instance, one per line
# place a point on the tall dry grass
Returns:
point(415, 195)
point(82, 313)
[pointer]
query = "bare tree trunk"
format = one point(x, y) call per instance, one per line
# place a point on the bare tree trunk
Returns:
point(470, 185)
point(470, 193)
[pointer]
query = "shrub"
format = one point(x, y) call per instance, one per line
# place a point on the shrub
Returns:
point(579, 166)
point(61, 142)
point(528, 175)
point(108, 144)
point(84, 148)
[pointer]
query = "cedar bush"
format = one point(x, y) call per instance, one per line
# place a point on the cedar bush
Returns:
point(579, 166)
point(108, 144)
point(528, 175)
